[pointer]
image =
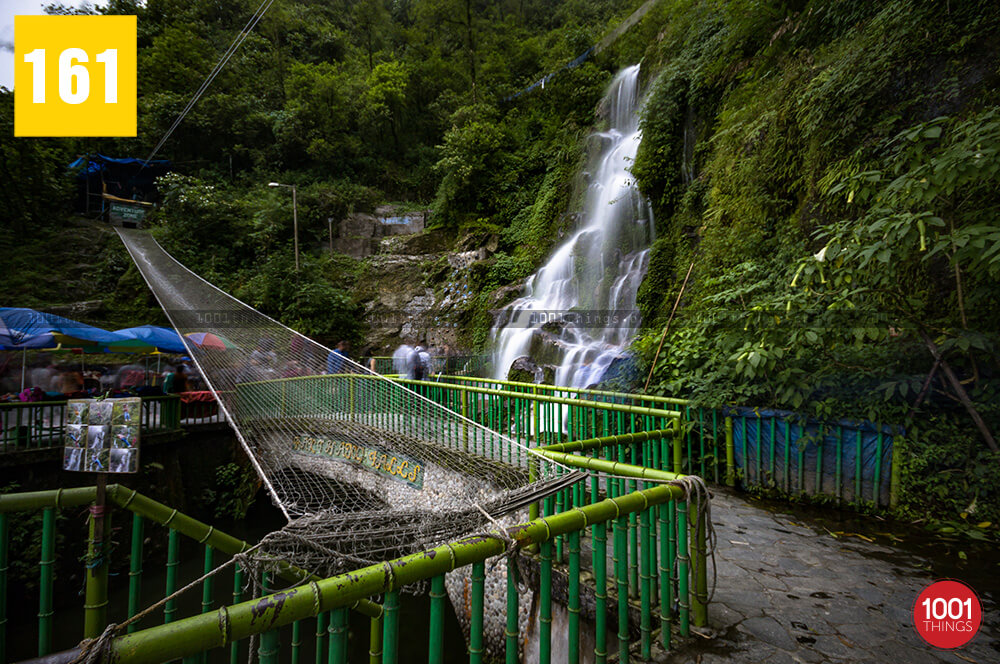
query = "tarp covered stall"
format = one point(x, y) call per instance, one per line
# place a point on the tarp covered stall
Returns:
point(123, 180)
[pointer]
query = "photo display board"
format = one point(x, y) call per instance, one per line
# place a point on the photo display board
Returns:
point(102, 436)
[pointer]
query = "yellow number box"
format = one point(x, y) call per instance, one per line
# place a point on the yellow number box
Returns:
point(74, 76)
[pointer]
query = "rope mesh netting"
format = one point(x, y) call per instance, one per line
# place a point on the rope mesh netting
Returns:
point(363, 468)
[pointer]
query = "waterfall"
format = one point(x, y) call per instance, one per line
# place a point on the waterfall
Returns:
point(578, 312)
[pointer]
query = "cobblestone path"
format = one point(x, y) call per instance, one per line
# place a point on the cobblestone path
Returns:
point(788, 593)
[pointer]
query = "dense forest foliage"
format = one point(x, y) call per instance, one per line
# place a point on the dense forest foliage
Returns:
point(824, 170)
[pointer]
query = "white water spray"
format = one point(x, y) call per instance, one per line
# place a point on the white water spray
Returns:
point(578, 312)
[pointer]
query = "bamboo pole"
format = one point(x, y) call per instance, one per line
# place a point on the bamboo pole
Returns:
point(477, 608)
point(135, 570)
point(510, 629)
point(667, 327)
point(435, 646)
point(45, 581)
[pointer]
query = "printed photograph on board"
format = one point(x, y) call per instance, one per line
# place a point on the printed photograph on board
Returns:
point(96, 436)
point(124, 461)
point(73, 458)
point(100, 412)
point(126, 411)
point(76, 435)
point(96, 461)
point(124, 437)
point(76, 411)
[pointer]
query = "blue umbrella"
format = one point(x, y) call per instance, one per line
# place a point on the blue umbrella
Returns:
point(165, 339)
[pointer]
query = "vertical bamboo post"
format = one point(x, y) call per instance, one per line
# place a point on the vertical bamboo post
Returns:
point(730, 454)
point(375, 641)
point(699, 574)
point(390, 628)
point(95, 609)
point(270, 642)
point(510, 630)
point(135, 570)
point(465, 423)
point(322, 620)
point(666, 594)
point(477, 608)
point(173, 544)
point(338, 637)
point(621, 575)
point(894, 473)
point(678, 453)
point(600, 562)
point(573, 605)
point(296, 641)
point(645, 587)
point(234, 648)
point(877, 479)
point(435, 647)
point(858, 487)
point(683, 558)
point(545, 599)
point(819, 459)
point(4, 566)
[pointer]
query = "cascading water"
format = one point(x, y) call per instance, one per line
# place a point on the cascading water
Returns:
point(578, 312)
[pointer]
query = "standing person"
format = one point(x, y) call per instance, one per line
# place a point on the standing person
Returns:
point(335, 360)
point(416, 369)
point(401, 360)
point(176, 381)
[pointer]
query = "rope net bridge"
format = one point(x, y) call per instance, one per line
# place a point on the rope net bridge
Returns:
point(363, 468)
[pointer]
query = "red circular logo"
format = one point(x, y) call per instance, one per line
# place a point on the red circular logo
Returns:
point(947, 614)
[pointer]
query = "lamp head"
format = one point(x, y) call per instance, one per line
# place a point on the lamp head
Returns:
point(274, 184)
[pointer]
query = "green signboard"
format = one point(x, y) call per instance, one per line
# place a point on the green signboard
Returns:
point(396, 466)
point(127, 212)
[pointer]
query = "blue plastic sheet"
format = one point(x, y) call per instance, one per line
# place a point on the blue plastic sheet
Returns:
point(797, 455)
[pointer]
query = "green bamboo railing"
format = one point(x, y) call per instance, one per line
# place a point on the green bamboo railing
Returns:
point(649, 503)
point(196, 634)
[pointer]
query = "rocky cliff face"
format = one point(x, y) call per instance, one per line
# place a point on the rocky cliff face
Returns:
point(416, 288)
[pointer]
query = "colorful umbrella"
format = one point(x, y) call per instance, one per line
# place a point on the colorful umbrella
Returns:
point(209, 340)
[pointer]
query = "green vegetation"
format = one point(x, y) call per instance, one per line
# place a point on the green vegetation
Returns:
point(828, 168)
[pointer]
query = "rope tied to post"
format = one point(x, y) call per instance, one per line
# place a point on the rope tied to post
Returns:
point(696, 491)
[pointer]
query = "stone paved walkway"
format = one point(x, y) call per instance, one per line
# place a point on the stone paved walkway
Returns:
point(787, 593)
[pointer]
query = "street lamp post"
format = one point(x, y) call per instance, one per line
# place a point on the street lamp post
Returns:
point(295, 218)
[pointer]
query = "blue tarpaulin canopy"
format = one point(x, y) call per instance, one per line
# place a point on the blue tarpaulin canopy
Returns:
point(128, 178)
point(22, 329)
point(165, 339)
